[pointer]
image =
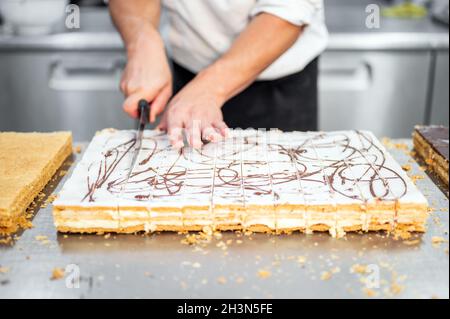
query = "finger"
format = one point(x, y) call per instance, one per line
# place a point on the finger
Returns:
point(123, 88)
point(223, 128)
point(162, 126)
point(131, 104)
point(210, 134)
point(175, 132)
point(194, 135)
point(160, 103)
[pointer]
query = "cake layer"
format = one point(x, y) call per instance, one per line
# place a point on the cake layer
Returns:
point(27, 163)
point(286, 219)
point(270, 181)
point(434, 161)
point(431, 144)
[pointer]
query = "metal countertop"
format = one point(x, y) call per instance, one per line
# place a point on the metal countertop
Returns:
point(160, 266)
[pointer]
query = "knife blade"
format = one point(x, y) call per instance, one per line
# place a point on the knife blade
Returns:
point(144, 112)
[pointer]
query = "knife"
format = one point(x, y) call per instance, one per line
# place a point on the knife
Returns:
point(144, 113)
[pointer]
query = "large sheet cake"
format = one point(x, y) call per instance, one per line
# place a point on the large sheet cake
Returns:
point(254, 180)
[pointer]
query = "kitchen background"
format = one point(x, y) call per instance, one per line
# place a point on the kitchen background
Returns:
point(385, 79)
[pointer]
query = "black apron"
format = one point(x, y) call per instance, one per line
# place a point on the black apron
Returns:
point(289, 103)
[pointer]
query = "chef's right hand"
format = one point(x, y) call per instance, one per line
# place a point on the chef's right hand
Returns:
point(147, 76)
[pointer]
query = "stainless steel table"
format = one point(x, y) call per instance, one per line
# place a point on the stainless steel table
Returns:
point(238, 266)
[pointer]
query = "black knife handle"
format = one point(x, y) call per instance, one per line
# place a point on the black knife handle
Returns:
point(144, 108)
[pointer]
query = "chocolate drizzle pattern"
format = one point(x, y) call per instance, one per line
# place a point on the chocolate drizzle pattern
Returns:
point(251, 168)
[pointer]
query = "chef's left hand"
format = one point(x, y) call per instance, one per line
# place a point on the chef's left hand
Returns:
point(197, 111)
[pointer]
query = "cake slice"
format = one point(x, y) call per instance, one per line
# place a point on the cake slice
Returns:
point(27, 163)
point(431, 144)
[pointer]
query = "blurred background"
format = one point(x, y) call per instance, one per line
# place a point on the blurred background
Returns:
point(385, 79)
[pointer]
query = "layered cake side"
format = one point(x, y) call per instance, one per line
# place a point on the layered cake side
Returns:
point(27, 163)
point(431, 144)
point(255, 180)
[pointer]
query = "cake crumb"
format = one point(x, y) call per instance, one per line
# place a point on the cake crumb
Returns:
point(239, 280)
point(264, 274)
point(184, 285)
point(436, 240)
point(208, 230)
point(77, 149)
point(189, 240)
point(199, 238)
point(402, 234)
point(412, 242)
point(222, 280)
point(50, 199)
point(326, 275)
point(396, 289)
point(42, 239)
point(407, 167)
point(335, 270)
point(415, 178)
point(4, 270)
point(388, 143)
point(301, 260)
point(359, 269)
point(370, 292)
point(57, 274)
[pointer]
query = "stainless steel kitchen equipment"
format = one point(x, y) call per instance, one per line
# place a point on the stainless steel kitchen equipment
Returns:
point(378, 90)
point(382, 79)
point(440, 11)
point(33, 17)
point(386, 80)
point(439, 99)
point(67, 81)
point(294, 266)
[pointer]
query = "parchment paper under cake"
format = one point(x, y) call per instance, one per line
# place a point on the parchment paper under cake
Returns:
point(255, 180)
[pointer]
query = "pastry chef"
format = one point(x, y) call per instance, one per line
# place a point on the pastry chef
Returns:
point(236, 63)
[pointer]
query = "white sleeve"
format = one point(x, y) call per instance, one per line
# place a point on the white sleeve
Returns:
point(298, 12)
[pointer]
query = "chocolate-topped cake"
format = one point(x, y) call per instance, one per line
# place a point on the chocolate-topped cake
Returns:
point(254, 180)
point(431, 143)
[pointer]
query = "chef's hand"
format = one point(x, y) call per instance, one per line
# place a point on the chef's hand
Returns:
point(197, 111)
point(147, 76)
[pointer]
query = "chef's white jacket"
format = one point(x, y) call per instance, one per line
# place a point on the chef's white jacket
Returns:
point(200, 31)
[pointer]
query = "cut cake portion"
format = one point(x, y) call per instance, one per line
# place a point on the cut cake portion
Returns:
point(431, 144)
point(27, 163)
